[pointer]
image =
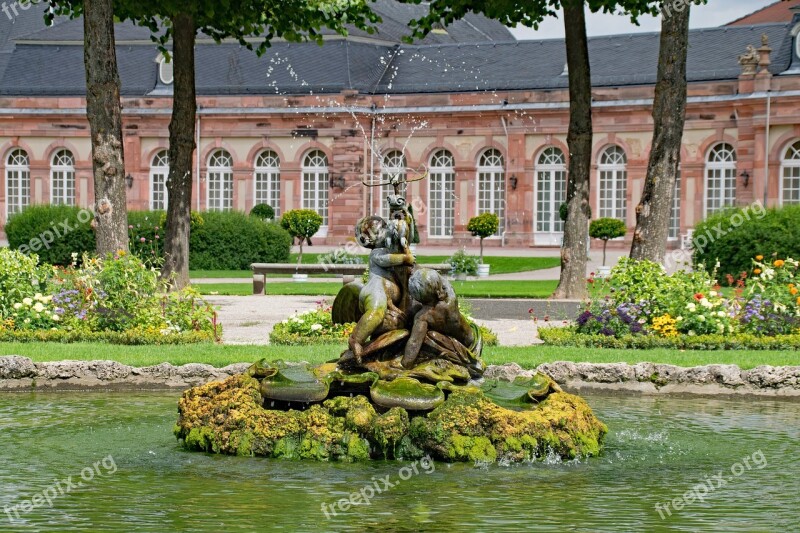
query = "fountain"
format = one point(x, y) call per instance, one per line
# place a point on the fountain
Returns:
point(410, 384)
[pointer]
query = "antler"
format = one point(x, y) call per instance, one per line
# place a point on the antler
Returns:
point(391, 180)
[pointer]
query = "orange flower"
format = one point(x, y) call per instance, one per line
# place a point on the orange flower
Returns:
point(793, 291)
point(798, 301)
point(757, 271)
point(779, 263)
point(759, 258)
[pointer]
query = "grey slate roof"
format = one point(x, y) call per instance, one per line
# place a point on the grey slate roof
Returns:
point(381, 66)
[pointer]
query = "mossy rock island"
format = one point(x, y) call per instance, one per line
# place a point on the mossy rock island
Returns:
point(325, 415)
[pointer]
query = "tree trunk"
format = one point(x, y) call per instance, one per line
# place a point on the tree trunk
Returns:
point(669, 117)
point(104, 111)
point(481, 250)
point(605, 244)
point(181, 150)
point(576, 229)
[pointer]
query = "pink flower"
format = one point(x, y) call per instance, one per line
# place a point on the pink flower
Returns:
point(156, 237)
point(130, 227)
point(143, 239)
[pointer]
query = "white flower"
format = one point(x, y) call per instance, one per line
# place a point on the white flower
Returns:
point(705, 303)
point(38, 307)
point(17, 305)
point(56, 318)
point(316, 327)
point(701, 318)
point(27, 301)
point(691, 333)
point(721, 314)
point(27, 320)
point(712, 293)
point(691, 306)
point(38, 296)
point(679, 319)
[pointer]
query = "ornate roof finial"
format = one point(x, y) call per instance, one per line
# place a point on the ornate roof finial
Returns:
point(764, 40)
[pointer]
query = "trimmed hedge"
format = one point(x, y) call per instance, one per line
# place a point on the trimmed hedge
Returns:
point(132, 337)
point(232, 241)
point(736, 236)
point(53, 232)
point(557, 336)
point(281, 336)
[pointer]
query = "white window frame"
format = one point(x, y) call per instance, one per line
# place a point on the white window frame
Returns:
point(18, 172)
point(166, 70)
point(612, 180)
point(790, 163)
point(674, 231)
point(551, 168)
point(393, 163)
point(219, 178)
point(159, 174)
point(62, 169)
point(267, 180)
point(441, 195)
point(315, 182)
point(490, 186)
point(717, 162)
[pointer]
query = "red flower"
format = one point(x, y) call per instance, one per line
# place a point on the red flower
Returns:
point(699, 296)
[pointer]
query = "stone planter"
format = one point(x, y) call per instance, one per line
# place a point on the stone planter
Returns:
point(483, 270)
point(603, 271)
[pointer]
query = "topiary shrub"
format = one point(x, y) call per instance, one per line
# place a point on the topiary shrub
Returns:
point(263, 211)
point(232, 241)
point(606, 229)
point(482, 226)
point(735, 236)
point(301, 224)
point(53, 232)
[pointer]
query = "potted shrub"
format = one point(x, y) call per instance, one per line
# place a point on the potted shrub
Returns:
point(462, 265)
point(482, 226)
point(606, 229)
point(263, 211)
point(301, 224)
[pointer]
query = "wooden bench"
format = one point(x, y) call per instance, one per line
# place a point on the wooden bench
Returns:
point(348, 272)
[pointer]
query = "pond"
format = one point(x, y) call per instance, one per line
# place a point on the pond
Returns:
point(108, 461)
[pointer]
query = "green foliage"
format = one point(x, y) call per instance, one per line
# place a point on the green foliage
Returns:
point(606, 229)
point(233, 241)
point(339, 256)
point(145, 235)
point(309, 328)
point(301, 224)
point(130, 337)
point(53, 232)
point(463, 263)
point(569, 336)
point(484, 225)
point(263, 211)
point(20, 277)
point(735, 236)
point(771, 297)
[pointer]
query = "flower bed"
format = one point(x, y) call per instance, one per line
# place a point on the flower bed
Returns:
point(317, 327)
point(640, 306)
point(115, 299)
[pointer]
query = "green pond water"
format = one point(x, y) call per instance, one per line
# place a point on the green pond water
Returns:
point(657, 450)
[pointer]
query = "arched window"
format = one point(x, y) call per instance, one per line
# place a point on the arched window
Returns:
point(675, 211)
point(441, 194)
point(220, 181)
point(393, 164)
point(159, 172)
point(62, 178)
point(790, 172)
point(18, 181)
point(268, 180)
point(720, 178)
point(165, 70)
point(315, 185)
point(551, 192)
point(613, 169)
point(492, 185)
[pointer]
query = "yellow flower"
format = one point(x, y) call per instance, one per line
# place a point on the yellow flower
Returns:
point(759, 258)
point(779, 263)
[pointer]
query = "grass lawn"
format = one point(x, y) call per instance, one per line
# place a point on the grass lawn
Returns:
point(465, 289)
point(499, 265)
point(528, 357)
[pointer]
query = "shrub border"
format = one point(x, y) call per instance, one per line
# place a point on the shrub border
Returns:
point(568, 336)
point(129, 338)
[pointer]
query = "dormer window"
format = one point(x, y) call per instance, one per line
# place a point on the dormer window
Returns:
point(165, 70)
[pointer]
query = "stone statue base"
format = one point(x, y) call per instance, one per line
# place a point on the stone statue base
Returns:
point(320, 412)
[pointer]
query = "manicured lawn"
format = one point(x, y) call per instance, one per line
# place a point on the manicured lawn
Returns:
point(528, 357)
point(499, 265)
point(465, 289)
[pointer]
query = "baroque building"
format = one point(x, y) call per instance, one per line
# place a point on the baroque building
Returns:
point(483, 114)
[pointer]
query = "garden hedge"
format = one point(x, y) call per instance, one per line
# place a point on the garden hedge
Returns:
point(53, 232)
point(735, 236)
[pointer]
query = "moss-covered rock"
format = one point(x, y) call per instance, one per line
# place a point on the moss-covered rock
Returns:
point(229, 417)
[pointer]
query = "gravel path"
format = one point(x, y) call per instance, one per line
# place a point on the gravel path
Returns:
point(249, 319)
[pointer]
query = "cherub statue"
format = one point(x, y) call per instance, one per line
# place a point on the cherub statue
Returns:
point(381, 292)
point(440, 325)
point(749, 60)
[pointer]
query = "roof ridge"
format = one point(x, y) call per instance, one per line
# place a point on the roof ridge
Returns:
point(759, 10)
